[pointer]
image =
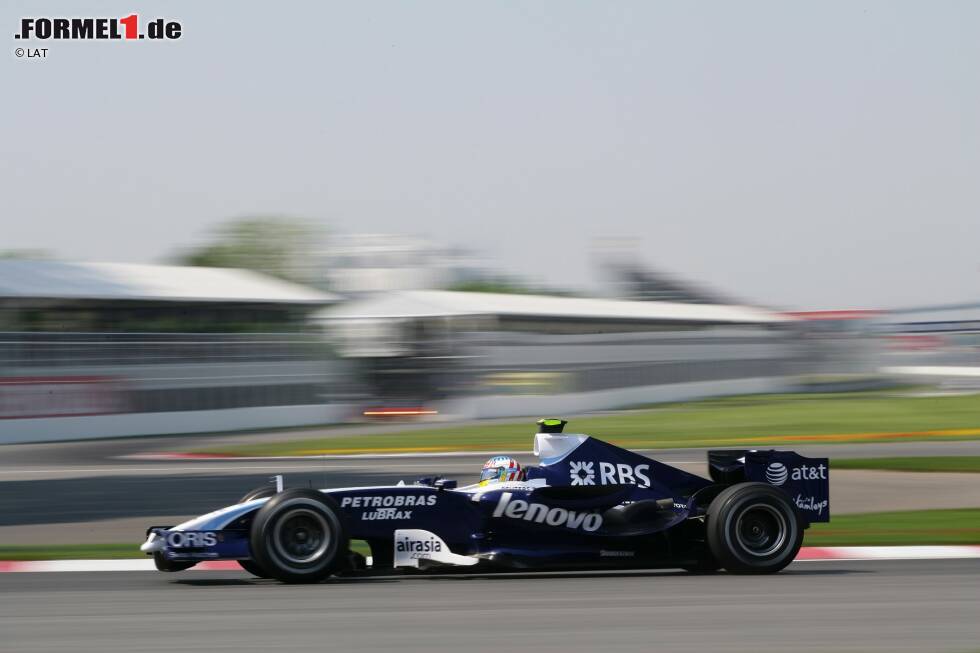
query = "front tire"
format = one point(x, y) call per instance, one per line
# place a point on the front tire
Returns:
point(251, 566)
point(752, 528)
point(299, 536)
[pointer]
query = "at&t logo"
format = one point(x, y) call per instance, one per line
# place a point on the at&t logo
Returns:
point(776, 473)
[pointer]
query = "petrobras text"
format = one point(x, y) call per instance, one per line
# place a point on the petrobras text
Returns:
point(389, 501)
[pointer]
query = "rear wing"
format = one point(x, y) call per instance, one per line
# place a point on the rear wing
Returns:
point(805, 480)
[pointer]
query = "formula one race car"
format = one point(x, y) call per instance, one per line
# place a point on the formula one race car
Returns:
point(588, 504)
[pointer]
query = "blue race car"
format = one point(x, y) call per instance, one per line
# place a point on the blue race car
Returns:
point(587, 504)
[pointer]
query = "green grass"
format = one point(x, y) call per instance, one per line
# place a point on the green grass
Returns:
point(734, 421)
point(962, 464)
point(71, 551)
point(961, 526)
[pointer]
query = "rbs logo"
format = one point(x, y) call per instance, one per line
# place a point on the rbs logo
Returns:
point(584, 473)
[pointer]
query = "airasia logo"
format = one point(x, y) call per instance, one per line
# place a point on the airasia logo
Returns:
point(419, 549)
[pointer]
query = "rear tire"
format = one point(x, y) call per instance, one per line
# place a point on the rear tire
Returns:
point(299, 536)
point(752, 528)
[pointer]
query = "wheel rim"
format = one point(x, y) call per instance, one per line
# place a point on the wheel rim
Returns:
point(760, 530)
point(301, 536)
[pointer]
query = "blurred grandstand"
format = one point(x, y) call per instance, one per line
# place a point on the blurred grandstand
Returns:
point(199, 348)
point(484, 354)
point(933, 344)
point(110, 349)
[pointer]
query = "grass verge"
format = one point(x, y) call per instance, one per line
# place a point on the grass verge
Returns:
point(961, 464)
point(758, 420)
point(71, 552)
point(960, 526)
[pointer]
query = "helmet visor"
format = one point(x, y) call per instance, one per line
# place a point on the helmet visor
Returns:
point(491, 473)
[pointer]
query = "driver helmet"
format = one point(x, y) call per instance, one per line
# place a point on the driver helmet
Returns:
point(501, 468)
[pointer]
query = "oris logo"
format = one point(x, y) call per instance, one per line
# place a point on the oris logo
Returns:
point(776, 473)
point(181, 539)
point(542, 514)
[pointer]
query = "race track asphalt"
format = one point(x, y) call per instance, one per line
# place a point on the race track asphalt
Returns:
point(810, 607)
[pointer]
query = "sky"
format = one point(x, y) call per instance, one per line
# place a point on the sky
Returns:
point(803, 155)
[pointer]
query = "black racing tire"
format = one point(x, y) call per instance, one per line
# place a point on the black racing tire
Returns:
point(258, 493)
point(253, 568)
point(299, 536)
point(753, 528)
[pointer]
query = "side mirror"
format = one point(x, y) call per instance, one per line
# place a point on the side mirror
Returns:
point(445, 484)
